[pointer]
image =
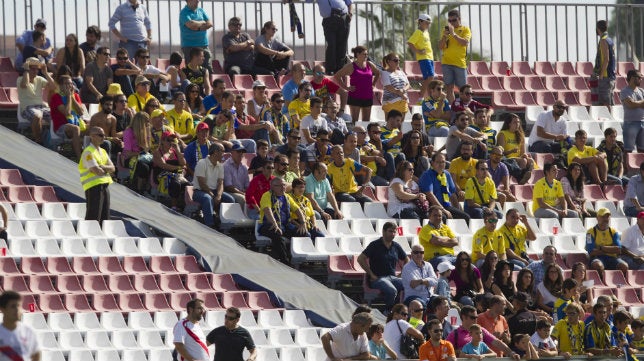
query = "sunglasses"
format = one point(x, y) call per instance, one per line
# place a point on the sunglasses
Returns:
point(419, 310)
point(404, 314)
point(492, 220)
point(294, 137)
point(417, 252)
point(284, 164)
point(438, 330)
point(144, 56)
point(99, 135)
point(122, 58)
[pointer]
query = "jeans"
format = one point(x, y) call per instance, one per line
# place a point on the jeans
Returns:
point(389, 286)
point(444, 258)
point(355, 197)
point(411, 213)
point(543, 146)
point(477, 212)
point(548, 213)
point(633, 136)
point(518, 264)
point(278, 245)
point(132, 46)
point(208, 204)
point(389, 170)
point(438, 131)
point(336, 34)
point(630, 211)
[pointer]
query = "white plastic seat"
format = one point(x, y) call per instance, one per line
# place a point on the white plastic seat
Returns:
point(165, 320)
point(403, 241)
point(47, 340)
point(453, 317)
point(80, 355)
point(114, 228)
point(548, 226)
point(375, 210)
point(321, 227)
point(11, 215)
point(72, 247)
point(76, 211)
point(63, 228)
point(338, 227)
point(516, 205)
point(296, 319)
point(409, 226)
point(535, 227)
point(307, 337)
point(592, 128)
point(54, 355)
point(573, 226)
point(21, 247)
point(86, 321)
point(620, 224)
point(215, 318)
point(579, 113)
point(15, 230)
point(46, 247)
point(126, 246)
point(28, 212)
point(270, 319)
point(327, 245)
point(362, 227)
point(617, 125)
point(465, 243)
point(151, 246)
point(565, 244)
point(247, 319)
point(98, 339)
point(134, 355)
point(291, 353)
point(532, 113)
point(538, 244)
point(590, 222)
point(476, 224)
point(36, 321)
point(141, 321)
point(160, 355)
point(37, 229)
point(352, 210)
point(174, 246)
point(610, 205)
point(260, 240)
point(70, 340)
point(458, 226)
point(113, 321)
point(107, 355)
point(303, 249)
point(600, 113)
point(351, 245)
point(267, 354)
point(89, 229)
point(54, 211)
point(280, 337)
point(124, 339)
point(259, 337)
point(232, 215)
point(98, 247)
point(60, 322)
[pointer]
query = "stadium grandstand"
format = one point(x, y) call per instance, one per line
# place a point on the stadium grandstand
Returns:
point(114, 290)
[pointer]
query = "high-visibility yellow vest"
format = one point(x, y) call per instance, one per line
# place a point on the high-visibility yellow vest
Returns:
point(89, 179)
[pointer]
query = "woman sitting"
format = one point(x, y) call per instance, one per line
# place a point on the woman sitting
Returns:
point(467, 279)
point(550, 288)
point(405, 199)
point(136, 150)
point(168, 167)
point(573, 187)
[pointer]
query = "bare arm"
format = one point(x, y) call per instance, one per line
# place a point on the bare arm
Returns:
point(181, 349)
point(198, 25)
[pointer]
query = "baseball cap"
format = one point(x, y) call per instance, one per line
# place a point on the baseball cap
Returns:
point(444, 266)
point(602, 212)
point(259, 84)
point(201, 126)
point(521, 297)
point(237, 147)
point(140, 79)
point(157, 113)
point(42, 22)
point(424, 17)
point(640, 215)
point(167, 135)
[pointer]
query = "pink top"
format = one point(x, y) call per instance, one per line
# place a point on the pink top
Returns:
point(362, 79)
point(129, 141)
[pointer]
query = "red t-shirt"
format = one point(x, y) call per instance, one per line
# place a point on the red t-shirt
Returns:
point(58, 119)
point(327, 88)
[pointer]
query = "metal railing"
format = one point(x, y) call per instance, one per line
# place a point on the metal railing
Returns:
point(500, 31)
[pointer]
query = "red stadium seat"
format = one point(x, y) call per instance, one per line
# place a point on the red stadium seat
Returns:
point(44, 194)
point(156, 302)
point(187, 264)
point(565, 69)
point(594, 192)
point(84, 265)
point(523, 193)
point(633, 161)
point(59, 265)
point(635, 278)
point(16, 283)
point(412, 69)
point(227, 82)
point(594, 275)
point(217, 68)
point(95, 284)
point(69, 284)
point(578, 83)
point(544, 68)
point(109, 264)
point(146, 283)
point(544, 98)
point(584, 98)
point(210, 300)
point(614, 193)
point(135, 265)
point(179, 300)
point(9, 79)
point(11, 177)
point(491, 83)
point(120, 283)
point(572, 258)
point(223, 282)
point(105, 302)
point(521, 68)
point(30, 300)
point(41, 284)
point(414, 97)
point(33, 265)
point(438, 68)
point(499, 68)
point(269, 80)
point(6, 65)
point(534, 83)
point(5, 101)
point(620, 83)
point(568, 97)
point(479, 68)
point(584, 68)
point(171, 283)
point(77, 302)
point(628, 296)
point(622, 67)
point(503, 99)
point(524, 98)
point(475, 82)
point(512, 83)
point(130, 302)
point(8, 266)
point(259, 300)
point(162, 264)
point(198, 282)
point(51, 302)
point(555, 83)
point(234, 299)
point(382, 194)
point(340, 267)
point(614, 279)
point(243, 81)
point(19, 194)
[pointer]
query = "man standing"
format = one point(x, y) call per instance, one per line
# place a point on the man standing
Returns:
point(26, 39)
point(516, 234)
point(633, 99)
point(208, 184)
point(348, 340)
point(336, 23)
point(95, 167)
point(418, 277)
point(454, 42)
point(634, 199)
point(30, 88)
point(17, 340)
point(550, 130)
point(239, 49)
point(136, 28)
point(633, 244)
point(189, 339)
point(603, 245)
point(382, 256)
point(194, 24)
point(231, 339)
point(605, 64)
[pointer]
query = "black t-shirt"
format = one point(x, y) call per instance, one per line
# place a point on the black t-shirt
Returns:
point(523, 322)
point(229, 344)
point(382, 260)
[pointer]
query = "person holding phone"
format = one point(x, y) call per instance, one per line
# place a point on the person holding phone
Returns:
point(453, 42)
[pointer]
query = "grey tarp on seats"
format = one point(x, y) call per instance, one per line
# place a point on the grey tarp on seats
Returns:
point(221, 252)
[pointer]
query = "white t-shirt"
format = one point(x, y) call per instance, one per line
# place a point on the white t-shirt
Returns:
point(212, 173)
point(392, 334)
point(542, 343)
point(396, 205)
point(633, 240)
point(547, 296)
point(194, 349)
point(549, 124)
point(22, 340)
point(313, 125)
point(343, 345)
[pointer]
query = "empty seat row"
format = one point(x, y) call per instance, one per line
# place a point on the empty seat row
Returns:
point(72, 247)
point(66, 229)
point(52, 211)
point(108, 355)
point(26, 193)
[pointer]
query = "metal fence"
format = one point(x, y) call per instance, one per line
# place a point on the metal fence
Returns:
point(500, 31)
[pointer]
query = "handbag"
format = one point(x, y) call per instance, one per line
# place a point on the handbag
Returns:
point(408, 345)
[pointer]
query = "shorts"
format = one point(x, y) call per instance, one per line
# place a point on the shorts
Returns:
point(61, 131)
point(401, 106)
point(605, 88)
point(453, 75)
point(427, 68)
point(37, 111)
point(610, 263)
point(362, 103)
point(633, 136)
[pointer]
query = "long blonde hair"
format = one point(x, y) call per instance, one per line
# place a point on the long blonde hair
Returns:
point(140, 125)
